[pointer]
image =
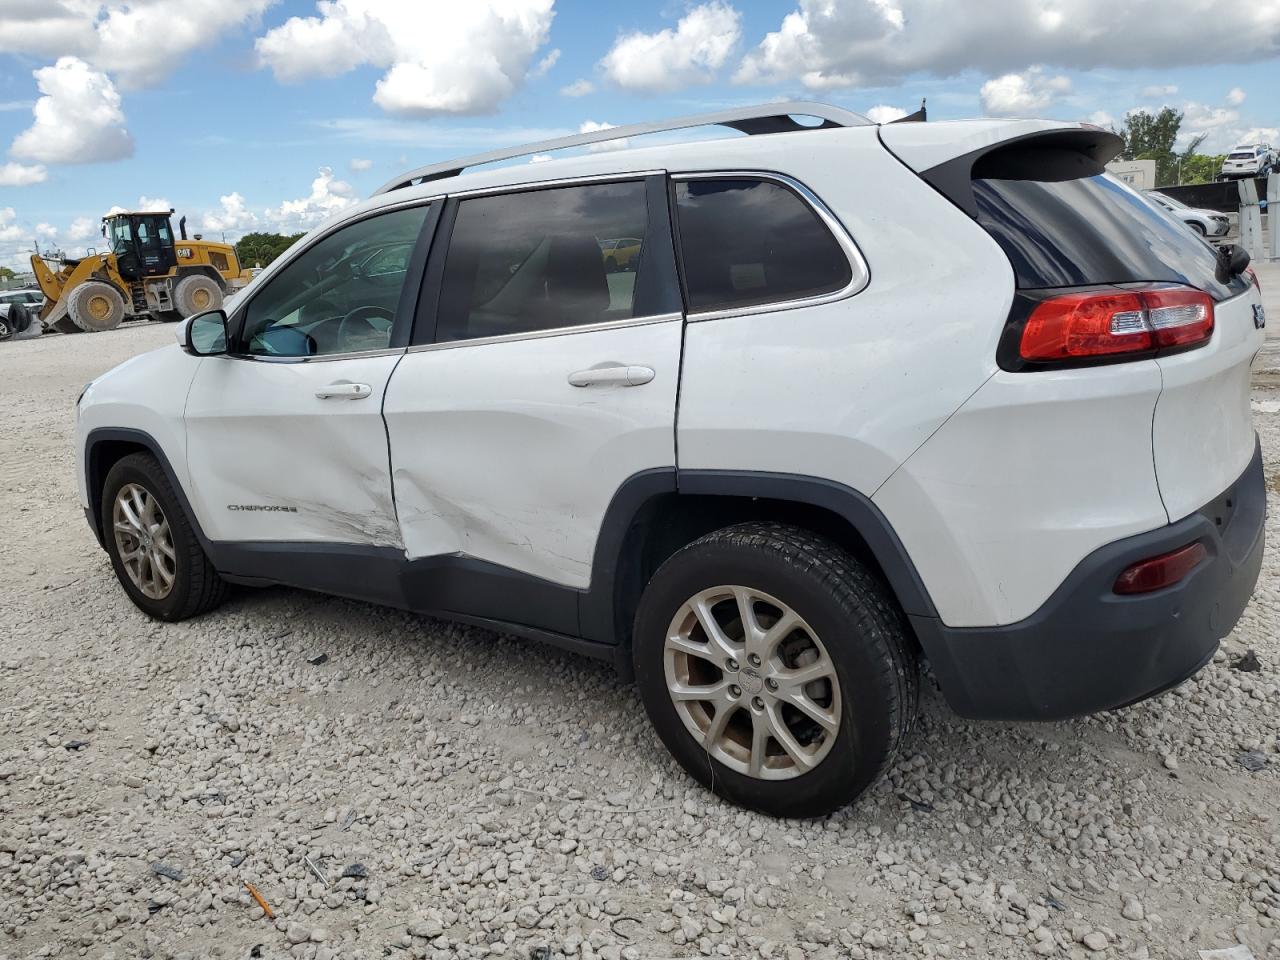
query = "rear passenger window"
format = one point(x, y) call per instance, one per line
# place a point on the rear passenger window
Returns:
point(746, 242)
point(543, 259)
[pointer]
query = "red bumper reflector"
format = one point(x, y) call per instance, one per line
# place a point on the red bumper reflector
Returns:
point(1156, 573)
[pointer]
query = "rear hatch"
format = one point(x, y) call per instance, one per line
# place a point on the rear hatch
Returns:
point(1040, 190)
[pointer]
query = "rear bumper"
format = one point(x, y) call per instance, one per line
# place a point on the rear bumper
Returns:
point(1088, 649)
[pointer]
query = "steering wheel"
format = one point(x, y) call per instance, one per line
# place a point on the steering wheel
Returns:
point(359, 323)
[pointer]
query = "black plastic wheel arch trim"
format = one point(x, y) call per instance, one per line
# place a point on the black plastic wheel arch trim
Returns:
point(95, 476)
point(857, 509)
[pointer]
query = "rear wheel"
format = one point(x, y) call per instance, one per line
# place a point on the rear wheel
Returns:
point(153, 548)
point(95, 306)
point(196, 294)
point(775, 668)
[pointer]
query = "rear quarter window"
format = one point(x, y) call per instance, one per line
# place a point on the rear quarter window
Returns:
point(746, 242)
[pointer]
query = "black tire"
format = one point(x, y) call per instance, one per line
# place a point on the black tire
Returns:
point(864, 633)
point(95, 306)
point(197, 588)
point(6, 331)
point(197, 293)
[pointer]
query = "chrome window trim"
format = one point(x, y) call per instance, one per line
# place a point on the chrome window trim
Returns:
point(317, 357)
point(860, 273)
point(553, 332)
point(528, 186)
point(242, 308)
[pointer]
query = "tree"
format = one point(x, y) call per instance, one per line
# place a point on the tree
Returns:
point(259, 249)
point(1148, 137)
point(6, 273)
point(1202, 168)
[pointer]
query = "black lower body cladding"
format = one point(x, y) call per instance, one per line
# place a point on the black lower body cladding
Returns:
point(1089, 649)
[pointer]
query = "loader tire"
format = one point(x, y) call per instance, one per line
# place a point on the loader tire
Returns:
point(95, 306)
point(197, 294)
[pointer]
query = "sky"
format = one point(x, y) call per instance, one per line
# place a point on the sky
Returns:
point(274, 114)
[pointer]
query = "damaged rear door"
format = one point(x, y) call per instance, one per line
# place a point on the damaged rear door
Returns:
point(285, 436)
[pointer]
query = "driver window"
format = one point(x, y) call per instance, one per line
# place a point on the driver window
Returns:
point(340, 295)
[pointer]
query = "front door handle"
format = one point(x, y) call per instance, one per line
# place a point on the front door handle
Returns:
point(623, 374)
point(344, 391)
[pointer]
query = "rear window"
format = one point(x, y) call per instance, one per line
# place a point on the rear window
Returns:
point(746, 242)
point(1242, 155)
point(1087, 230)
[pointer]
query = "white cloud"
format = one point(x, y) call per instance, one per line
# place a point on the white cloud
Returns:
point(1023, 94)
point(824, 43)
point(579, 88)
point(545, 64)
point(473, 56)
point(22, 175)
point(591, 126)
point(153, 203)
point(669, 59)
point(82, 228)
point(1103, 119)
point(1235, 97)
point(1158, 91)
point(540, 158)
point(139, 43)
point(328, 196)
point(78, 118)
point(9, 230)
point(359, 164)
point(883, 113)
point(232, 216)
point(46, 231)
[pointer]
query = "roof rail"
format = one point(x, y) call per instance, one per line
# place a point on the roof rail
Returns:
point(762, 118)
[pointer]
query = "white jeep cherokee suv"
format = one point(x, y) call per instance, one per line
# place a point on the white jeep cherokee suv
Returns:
point(864, 395)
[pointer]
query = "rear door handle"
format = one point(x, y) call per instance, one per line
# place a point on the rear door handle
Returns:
point(623, 374)
point(344, 391)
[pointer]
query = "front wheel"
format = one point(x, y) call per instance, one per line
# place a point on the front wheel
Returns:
point(1198, 228)
point(153, 548)
point(776, 668)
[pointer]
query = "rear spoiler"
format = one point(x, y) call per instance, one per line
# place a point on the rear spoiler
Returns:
point(1051, 152)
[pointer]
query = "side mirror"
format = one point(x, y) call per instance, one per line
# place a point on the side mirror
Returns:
point(205, 334)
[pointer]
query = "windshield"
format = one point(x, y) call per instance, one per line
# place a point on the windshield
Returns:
point(1170, 202)
point(118, 233)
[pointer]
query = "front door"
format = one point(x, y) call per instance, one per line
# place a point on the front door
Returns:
point(542, 378)
point(285, 436)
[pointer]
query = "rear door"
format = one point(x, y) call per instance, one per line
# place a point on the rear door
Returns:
point(542, 377)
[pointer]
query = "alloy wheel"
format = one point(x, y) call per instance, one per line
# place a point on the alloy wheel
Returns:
point(752, 682)
point(144, 542)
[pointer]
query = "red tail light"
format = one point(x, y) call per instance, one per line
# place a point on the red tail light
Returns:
point(1107, 322)
point(1159, 572)
point(1253, 276)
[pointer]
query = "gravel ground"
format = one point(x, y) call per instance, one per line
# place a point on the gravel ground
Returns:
point(465, 794)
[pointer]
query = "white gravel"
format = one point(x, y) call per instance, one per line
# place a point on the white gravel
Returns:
point(488, 797)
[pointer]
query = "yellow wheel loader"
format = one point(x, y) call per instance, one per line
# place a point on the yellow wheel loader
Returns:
point(146, 271)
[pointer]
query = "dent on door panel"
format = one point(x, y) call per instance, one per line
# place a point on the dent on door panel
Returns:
point(496, 456)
